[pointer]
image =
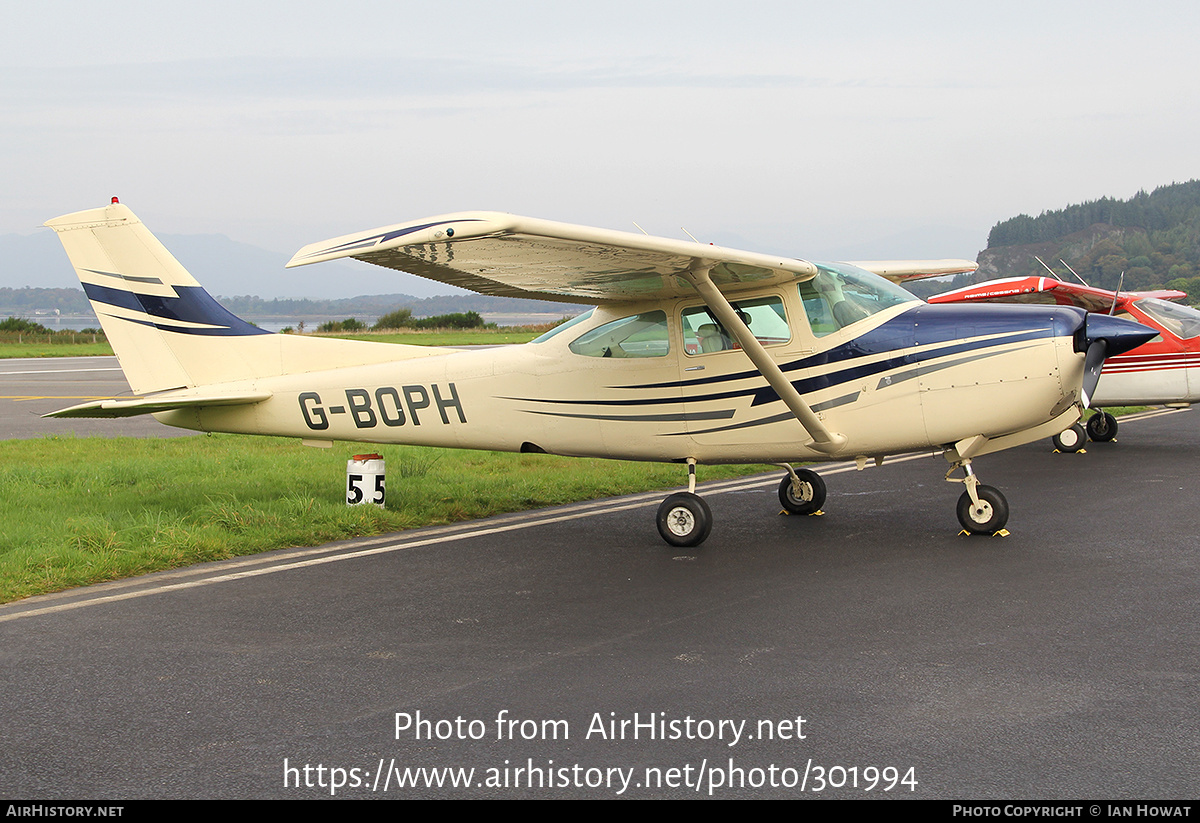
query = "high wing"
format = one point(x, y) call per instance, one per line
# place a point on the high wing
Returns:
point(901, 271)
point(512, 256)
point(1047, 290)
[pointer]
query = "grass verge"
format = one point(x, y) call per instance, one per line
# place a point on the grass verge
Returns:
point(12, 346)
point(86, 510)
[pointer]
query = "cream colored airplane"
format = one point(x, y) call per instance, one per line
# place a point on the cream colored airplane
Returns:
point(693, 354)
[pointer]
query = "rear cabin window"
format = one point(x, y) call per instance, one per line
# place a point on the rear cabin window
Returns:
point(642, 335)
point(561, 327)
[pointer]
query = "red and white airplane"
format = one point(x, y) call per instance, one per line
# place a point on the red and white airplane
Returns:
point(1166, 370)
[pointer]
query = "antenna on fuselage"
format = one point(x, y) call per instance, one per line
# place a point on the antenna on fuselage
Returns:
point(639, 228)
point(1053, 273)
point(689, 234)
point(1068, 265)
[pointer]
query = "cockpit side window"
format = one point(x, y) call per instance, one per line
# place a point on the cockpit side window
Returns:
point(642, 335)
point(841, 295)
point(703, 333)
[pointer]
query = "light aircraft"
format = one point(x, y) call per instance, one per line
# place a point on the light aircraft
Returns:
point(693, 354)
point(1165, 370)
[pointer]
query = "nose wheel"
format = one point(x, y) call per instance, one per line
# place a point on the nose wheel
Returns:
point(981, 509)
point(987, 514)
point(1102, 427)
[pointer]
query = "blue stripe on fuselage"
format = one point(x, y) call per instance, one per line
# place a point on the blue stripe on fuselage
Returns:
point(925, 325)
point(913, 337)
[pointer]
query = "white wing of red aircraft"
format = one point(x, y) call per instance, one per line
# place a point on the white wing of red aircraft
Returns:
point(693, 354)
point(1164, 370)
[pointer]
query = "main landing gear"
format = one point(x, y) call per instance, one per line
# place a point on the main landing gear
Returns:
point(802, 491)
point(685, 520)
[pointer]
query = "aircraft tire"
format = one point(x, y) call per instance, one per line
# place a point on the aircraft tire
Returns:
point(1102, 427)
point(812, 497)
point(684, 519)
point(989, 517)
point(1071, 440)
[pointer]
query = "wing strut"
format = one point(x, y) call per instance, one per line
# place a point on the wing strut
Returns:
point(823, 439)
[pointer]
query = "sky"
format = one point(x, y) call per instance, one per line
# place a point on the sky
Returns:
point(807, 129)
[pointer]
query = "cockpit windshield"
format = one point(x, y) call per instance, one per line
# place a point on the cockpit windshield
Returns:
point(1181, 321)
point(842, 294)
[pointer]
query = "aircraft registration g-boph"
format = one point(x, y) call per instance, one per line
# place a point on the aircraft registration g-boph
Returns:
point(692, 354)
point(1166, 370)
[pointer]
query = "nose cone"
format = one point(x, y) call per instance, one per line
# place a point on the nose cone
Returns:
point(1102, 337)
point(1118, 334)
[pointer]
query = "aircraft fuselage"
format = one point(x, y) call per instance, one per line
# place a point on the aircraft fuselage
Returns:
point(909, 377)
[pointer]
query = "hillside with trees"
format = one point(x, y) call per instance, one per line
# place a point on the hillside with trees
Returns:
point(1153, 238)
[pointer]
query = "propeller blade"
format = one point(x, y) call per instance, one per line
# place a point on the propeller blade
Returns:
point(1092, 365)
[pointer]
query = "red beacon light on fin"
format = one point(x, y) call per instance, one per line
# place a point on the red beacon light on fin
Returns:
point(115, 200)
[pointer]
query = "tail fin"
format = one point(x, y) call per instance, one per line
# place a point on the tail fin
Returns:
point(167, 331)
point(149, 305)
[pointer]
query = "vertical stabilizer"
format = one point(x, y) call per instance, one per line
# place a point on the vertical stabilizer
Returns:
point(152, 310)
point(168, 332)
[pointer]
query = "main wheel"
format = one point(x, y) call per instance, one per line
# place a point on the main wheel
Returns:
point(684, 519)
point(1071, 440)
point(1102, 427)
point(812, 493)
point(989, 516)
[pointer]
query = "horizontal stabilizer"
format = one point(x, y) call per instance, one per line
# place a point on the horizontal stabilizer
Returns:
point(131, 407)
